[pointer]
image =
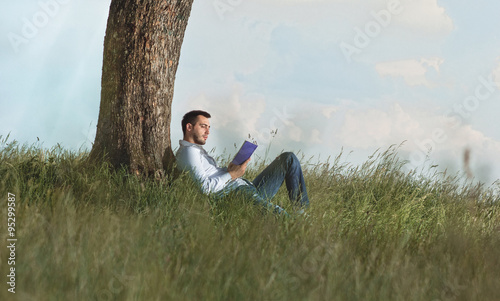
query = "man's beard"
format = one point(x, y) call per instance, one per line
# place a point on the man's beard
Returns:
point(199, 140)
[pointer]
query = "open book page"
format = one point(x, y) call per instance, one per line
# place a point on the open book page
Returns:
point(244, 153)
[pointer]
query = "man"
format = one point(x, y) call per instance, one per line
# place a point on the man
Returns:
point(217, 180)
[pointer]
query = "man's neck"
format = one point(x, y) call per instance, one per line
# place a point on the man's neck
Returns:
point(189, 139)
point(192, 142)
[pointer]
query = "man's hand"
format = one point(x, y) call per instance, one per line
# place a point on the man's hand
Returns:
point(237, 171)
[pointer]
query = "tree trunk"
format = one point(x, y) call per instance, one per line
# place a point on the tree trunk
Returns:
point(141, 54)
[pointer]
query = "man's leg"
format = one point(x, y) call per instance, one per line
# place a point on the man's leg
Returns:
point(250, 191)
point(285, 168)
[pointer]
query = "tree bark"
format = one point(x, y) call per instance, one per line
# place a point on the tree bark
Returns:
point(141, 54)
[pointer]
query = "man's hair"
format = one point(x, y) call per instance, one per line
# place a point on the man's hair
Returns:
point(191, 117)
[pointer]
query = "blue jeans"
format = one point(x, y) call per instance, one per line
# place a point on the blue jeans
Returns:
point(285, 168)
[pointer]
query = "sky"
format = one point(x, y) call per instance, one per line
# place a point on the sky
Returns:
point(331, 76)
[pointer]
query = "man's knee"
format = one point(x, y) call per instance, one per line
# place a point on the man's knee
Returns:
point(288, 156)
point(289, 159)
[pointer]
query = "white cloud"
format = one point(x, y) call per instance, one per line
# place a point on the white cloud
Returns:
point(413, 71)
point(374, 128)
point(328, 111)
point(432, 62)
point(496, 75)
point(419, 129)
point(295, 132)
point(483, 152)
point(316, 136)
point(426, 17)
point(235, 111)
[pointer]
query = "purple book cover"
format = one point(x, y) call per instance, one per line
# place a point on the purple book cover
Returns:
point(244, 153)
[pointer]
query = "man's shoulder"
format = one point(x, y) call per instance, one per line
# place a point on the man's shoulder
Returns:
point(188, 155)
point(187, 147)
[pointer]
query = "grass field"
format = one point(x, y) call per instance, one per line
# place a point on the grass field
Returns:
point(373, 232)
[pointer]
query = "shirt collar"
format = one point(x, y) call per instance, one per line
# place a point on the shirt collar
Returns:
point(187, 144)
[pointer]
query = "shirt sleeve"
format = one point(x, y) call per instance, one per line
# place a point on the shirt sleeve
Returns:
point(210, 177)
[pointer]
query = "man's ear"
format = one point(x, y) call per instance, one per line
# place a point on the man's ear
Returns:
point(189, 127)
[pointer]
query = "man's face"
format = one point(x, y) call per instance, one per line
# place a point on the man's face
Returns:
point(200, 130)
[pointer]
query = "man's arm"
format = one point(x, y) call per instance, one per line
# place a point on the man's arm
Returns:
point(212, 179)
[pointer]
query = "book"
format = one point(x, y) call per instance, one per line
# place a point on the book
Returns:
point(246, 150)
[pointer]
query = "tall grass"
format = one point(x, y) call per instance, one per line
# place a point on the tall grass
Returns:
point(373, 232)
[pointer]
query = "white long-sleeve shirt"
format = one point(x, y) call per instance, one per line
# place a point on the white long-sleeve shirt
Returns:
point(204, 170)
